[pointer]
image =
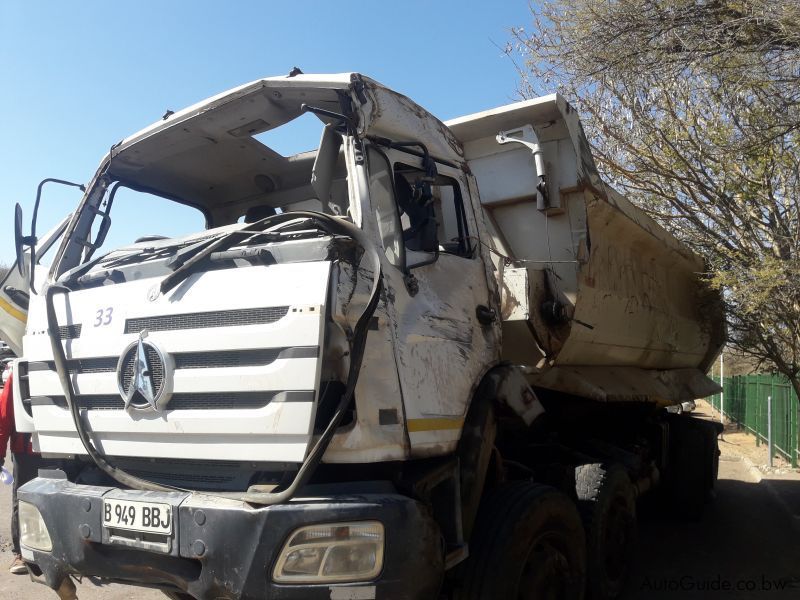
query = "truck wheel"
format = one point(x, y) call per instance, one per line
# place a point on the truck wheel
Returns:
point(608, 508)
point(711, 453)
point(528, 544)
point(713, 444)
point(690, 472)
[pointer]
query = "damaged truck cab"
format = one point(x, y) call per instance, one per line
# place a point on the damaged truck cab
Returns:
point(376, 354)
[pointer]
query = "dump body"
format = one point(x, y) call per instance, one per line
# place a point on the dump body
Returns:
point(597, 299)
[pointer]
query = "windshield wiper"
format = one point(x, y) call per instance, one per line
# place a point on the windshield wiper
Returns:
point(225, 242)
point(114, 259)
point(185, 253)
point(257, 254)
point(91, 279)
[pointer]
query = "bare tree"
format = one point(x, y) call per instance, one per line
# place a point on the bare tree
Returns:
point(693, 110)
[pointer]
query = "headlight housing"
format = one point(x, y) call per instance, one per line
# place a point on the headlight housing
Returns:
point(332, 552)
point(32, 529)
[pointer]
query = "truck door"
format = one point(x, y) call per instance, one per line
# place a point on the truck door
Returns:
point(15, 292)
point(435, 284)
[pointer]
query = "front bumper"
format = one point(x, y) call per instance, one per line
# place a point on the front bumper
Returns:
point(226, 549)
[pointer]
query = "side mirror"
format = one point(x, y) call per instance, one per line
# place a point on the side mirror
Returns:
point(18, 236)
point(20, 242)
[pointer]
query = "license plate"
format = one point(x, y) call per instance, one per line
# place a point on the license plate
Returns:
point(147, 517)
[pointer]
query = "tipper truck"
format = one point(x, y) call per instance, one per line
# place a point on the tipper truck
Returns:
point(426, 360)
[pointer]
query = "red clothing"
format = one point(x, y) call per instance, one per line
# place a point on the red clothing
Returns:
point(20, 442)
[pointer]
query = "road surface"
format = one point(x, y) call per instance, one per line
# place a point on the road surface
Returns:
point(744, 548)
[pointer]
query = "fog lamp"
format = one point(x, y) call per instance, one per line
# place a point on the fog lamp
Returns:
point(332, 552)
point(32, 530)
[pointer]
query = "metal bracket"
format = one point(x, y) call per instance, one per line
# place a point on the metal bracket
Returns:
point(526, 136)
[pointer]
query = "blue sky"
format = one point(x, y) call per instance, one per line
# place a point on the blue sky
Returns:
point(77, 77)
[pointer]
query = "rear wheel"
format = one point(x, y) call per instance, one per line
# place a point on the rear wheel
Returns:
point(608, 508)
point(693, 465)
point(711, 452)
point(528, 544)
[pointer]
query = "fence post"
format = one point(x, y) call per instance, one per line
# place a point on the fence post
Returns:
point(756, 400)
point(722, 385)
point(769, 429)
point(794, 412)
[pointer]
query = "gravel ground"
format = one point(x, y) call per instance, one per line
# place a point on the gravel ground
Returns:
point(736, 440)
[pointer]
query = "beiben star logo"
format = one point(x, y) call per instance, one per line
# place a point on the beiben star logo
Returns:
point(144, 374)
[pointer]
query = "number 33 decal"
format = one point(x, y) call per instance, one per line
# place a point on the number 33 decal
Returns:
point(103, 316)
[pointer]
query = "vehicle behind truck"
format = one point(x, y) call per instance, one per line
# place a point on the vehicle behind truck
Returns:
point(425, 360)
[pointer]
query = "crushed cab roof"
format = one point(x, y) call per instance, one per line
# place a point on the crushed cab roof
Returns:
point(206, 155)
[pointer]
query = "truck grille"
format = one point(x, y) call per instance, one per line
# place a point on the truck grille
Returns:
point(154, 362)
point(256, 357)
point(202, 320)
point(103, 364)
point(70, 332)
point(202, 401)
point(195, 474)
point(241, 358)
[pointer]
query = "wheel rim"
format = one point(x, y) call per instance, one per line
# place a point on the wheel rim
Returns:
point(546, 574)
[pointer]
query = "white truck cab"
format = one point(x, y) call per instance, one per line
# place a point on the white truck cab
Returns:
point(313, 396)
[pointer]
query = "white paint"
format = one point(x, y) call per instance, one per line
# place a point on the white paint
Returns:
point(279, 431)
point(634, 285)
point(628, 287)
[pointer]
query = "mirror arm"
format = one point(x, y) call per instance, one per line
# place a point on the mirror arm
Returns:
point(80, 186)
point(31, 239)
point(424, 263)
point(412, 284)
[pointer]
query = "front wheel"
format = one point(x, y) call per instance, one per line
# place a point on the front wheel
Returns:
point(528, 544)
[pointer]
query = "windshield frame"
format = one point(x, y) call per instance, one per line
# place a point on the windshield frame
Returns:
point(71, 252)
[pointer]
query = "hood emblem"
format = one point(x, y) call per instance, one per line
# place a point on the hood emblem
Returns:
point(144, 373)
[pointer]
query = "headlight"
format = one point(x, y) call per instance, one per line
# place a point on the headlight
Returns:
point(32, 530)
point(332, 552)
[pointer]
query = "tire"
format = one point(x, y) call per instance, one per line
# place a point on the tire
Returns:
point(177, 595)
point(528, 544)
point(607, 507)
point(690, 472)
point(710, 451)
point(713, 444)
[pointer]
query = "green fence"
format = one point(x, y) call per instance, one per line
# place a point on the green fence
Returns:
point(747, 399)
